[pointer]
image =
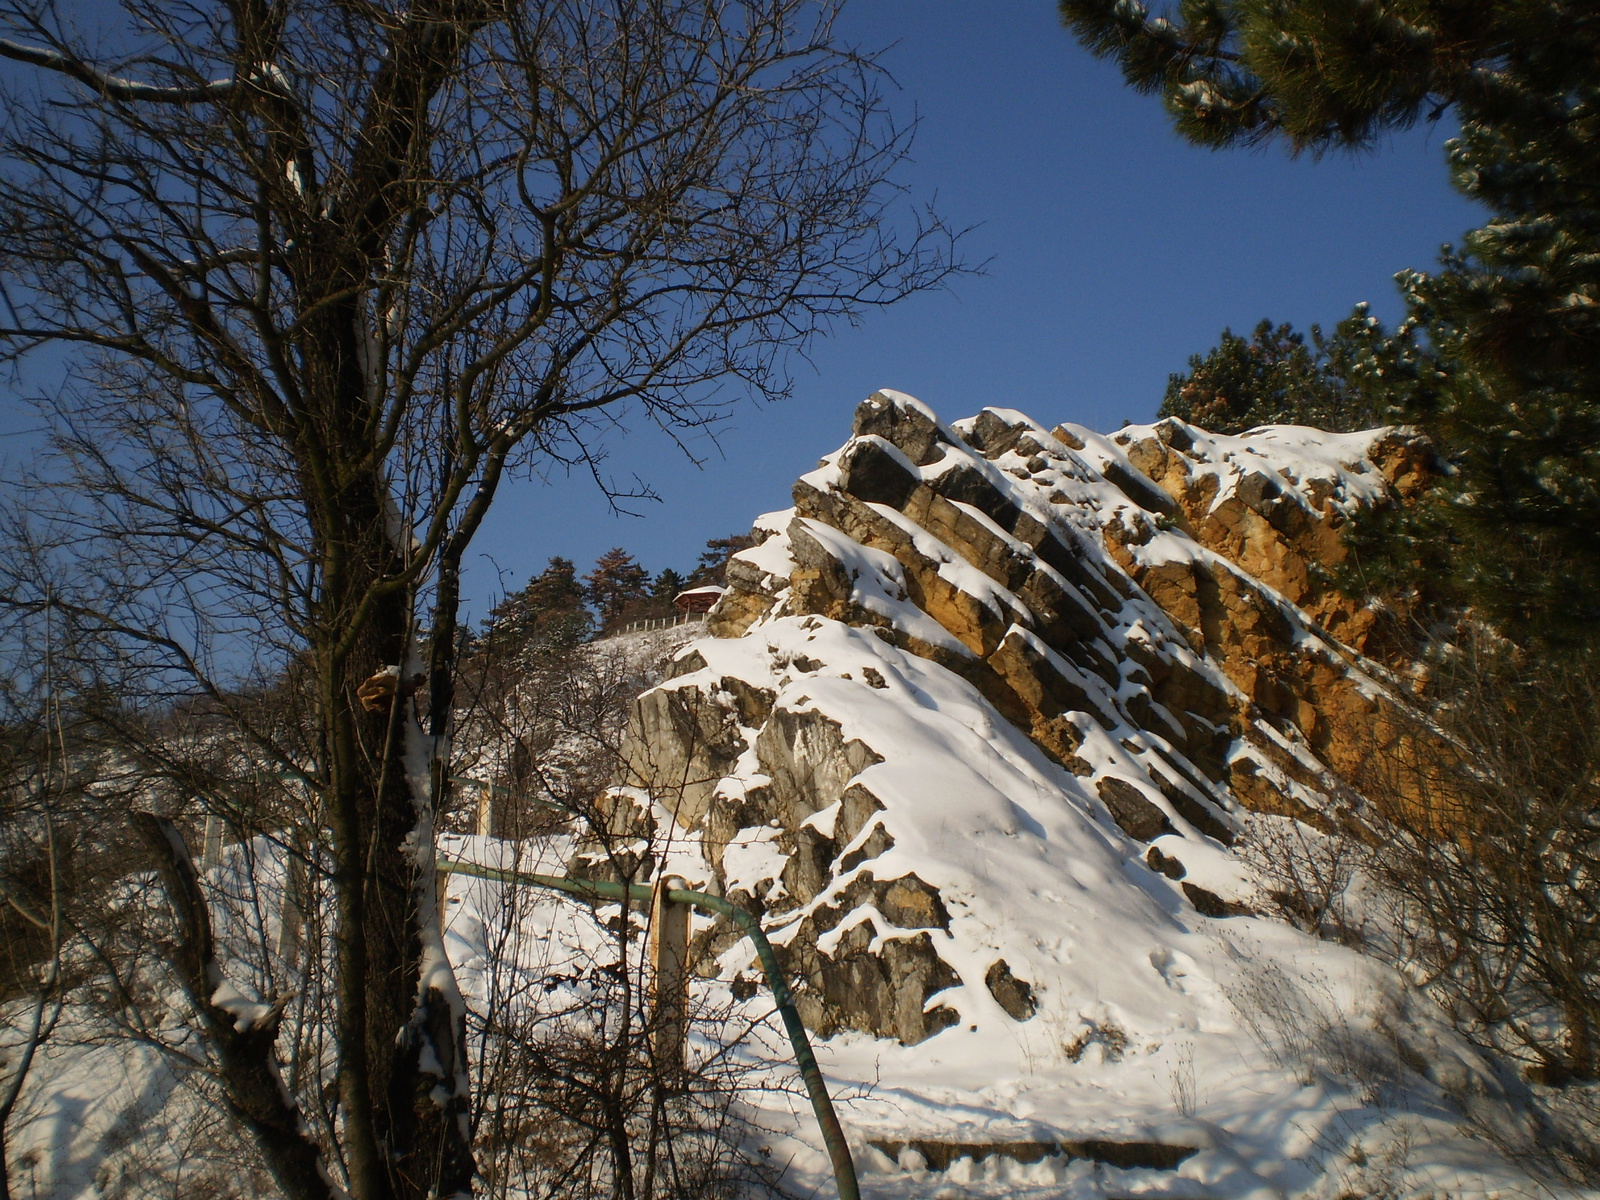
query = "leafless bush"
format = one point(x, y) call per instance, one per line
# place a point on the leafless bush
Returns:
point(1369, 1164)
point(57, 867)
point(1308, 1030)
point(180, 1147)
point(576, 1098)
point(1307, 873)
point(1478, 847)
point(1181, 1082)
point(1485, 818)
point(571, 1098)
point(543, 723)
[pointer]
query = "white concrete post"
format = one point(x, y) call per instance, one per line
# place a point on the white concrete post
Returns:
point(211, 843)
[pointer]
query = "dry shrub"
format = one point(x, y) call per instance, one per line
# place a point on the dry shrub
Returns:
point(1306, 873)
point(1485, 815)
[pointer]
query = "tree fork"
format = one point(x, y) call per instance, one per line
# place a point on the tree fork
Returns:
point(403, 1142)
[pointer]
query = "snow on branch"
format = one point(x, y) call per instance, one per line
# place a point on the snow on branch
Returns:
point(114, 86)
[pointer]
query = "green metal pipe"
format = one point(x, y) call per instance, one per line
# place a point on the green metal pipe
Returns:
point(844, 1167)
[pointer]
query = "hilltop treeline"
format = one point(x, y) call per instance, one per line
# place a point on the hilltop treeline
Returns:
point(561, 606)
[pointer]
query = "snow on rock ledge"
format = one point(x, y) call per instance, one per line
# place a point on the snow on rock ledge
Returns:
point(988, 692)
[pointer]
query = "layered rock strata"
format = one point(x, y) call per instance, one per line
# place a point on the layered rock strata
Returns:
point(1150, 611)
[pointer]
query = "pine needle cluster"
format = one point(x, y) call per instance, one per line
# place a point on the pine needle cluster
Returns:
point(1510, 319)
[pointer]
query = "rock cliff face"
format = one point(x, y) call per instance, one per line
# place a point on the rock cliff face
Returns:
point(968, 646)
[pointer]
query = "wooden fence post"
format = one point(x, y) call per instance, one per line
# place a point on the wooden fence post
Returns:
point(669, 976)
point(485, 822)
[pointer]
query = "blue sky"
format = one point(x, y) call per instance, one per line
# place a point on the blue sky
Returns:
point(1116, 252)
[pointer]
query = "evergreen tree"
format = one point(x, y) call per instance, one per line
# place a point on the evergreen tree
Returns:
point(548, 611)
point(1513, 316)
point(556, 588)
point(1360, 377)
point(713, 565)
point(666, 585)
point(616, 582)
point(1240, 384)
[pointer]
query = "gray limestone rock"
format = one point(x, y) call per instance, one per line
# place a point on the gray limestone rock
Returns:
point(1010, 993)
point(809, 762)
point(909, 429)
point(1139, 817)
point(679, 745)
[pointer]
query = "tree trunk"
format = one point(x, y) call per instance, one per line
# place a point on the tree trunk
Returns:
point(401, 1029)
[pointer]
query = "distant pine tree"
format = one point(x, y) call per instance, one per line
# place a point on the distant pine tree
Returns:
point(616, 582)
point(713, 565)
point(556, 588)
point(550, 608)
point(1240, 384)
point(1360, 377)
point(666, 585)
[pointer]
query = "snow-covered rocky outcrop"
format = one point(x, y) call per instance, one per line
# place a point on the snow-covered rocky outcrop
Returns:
point(980, 729)
point(970, 650)
point(978, 725)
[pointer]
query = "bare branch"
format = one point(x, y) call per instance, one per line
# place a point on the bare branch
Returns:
point(112, 86)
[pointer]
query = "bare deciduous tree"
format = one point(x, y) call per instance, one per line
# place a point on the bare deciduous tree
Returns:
point(32, 920)
point(329, 273)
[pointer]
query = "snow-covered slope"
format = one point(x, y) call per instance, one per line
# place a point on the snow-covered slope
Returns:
point(986, 712)
point(982, 726)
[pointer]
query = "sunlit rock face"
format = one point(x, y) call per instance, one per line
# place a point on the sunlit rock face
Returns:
point(968, 645)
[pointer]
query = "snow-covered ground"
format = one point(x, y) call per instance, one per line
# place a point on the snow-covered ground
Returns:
point(1290, 1066)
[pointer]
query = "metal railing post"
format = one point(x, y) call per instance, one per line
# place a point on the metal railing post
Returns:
point(844, 1167)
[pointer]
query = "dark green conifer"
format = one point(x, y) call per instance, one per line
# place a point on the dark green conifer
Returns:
point(666, 585)
point(1513, 315)
point(616, 582)
point(1359, 377)
point(549, 610)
